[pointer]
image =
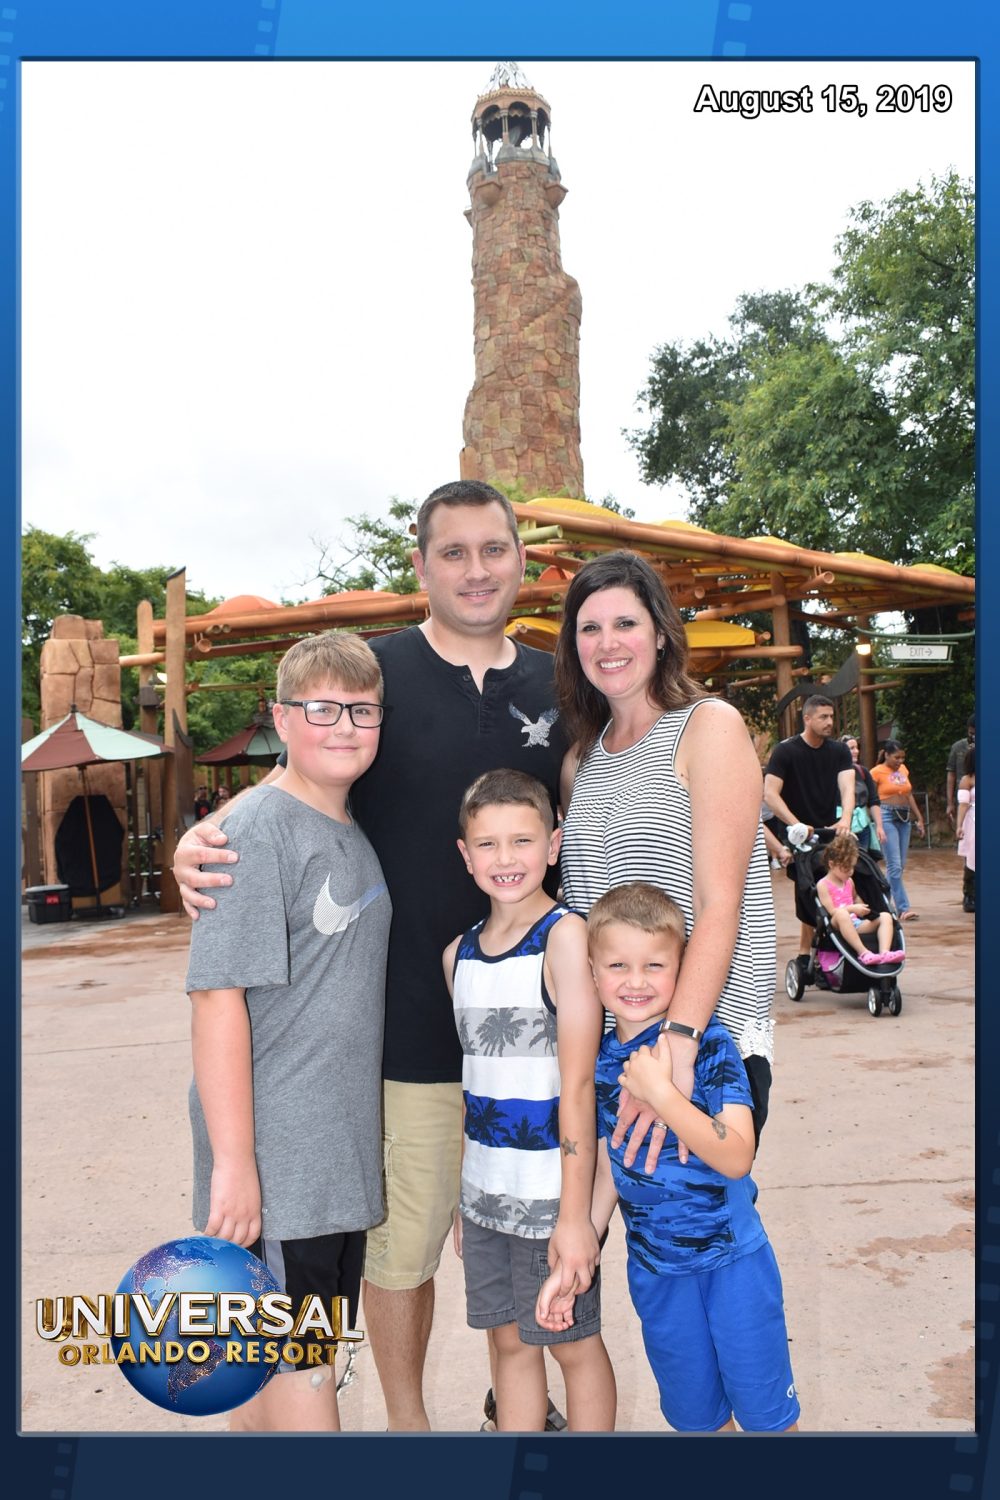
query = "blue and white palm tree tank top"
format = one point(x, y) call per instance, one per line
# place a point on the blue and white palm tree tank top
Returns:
point(511, 1169)
point(629, 818)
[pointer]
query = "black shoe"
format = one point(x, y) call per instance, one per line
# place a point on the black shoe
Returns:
point(968, 905)
point(489, 1412)
point(554, 1419)
point(803, 960)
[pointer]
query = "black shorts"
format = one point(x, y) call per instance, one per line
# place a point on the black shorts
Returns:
point(805, 888)
point(758, 1071)
point(327, 1266)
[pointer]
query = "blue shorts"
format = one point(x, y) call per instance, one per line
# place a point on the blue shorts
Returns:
point(717, 1343)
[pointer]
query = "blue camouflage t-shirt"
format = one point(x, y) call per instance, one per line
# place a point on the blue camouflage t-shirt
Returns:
point(681, 1219)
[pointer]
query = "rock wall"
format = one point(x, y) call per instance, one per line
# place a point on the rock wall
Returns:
point(79, 666)
point(522, 416)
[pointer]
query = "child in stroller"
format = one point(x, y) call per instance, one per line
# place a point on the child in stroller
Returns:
point(858, 942)
point(850, 917)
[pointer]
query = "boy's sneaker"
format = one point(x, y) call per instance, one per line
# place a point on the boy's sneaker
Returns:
point(554, 1419)
point(489, 1412)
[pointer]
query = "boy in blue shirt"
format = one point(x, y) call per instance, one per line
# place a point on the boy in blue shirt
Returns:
point(530, 1025)
point(702, 1275)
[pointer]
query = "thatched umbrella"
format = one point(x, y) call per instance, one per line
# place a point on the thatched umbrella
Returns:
point(79, 741)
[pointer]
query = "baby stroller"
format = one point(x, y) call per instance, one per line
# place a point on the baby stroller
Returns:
point(832, 965)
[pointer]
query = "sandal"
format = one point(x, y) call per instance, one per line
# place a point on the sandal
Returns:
point(910, 916)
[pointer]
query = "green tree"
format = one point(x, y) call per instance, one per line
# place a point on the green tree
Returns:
point(904, 290)
point(841, 416)
point(816, 457)
point(691, 388)
point(215, 716)
point(380, 554)
point(59, 576)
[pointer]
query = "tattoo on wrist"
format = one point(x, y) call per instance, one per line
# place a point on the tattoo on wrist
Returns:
point(720, 1129)
point(568, 1147)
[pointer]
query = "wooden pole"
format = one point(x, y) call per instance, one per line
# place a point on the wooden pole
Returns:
point(149, 723)
point(867, 717)
point(174, 716)
point(784, 681)
point(90, 837)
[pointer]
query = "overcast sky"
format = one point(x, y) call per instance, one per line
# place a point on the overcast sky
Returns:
point(246, 287)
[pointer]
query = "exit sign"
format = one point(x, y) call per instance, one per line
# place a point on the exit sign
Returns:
point(920, 651)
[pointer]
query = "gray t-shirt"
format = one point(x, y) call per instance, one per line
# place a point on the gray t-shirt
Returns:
point(304, 931)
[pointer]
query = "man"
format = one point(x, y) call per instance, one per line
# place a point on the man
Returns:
point(461, 698)
point(956, 769)
point(805, 780)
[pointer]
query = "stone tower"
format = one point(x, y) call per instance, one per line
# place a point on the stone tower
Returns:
point(522, 416)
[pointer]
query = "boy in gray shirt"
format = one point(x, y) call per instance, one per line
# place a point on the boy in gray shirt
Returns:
point(286, 983)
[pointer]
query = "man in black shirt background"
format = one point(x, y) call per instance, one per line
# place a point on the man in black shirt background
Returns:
point(806, 779)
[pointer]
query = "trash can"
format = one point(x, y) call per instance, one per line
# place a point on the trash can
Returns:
point(49, 903)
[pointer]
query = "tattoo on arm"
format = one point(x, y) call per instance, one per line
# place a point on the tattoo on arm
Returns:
point(569, 1147)
point(720, 1129)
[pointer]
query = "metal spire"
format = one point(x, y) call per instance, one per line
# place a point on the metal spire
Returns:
point(507, 75)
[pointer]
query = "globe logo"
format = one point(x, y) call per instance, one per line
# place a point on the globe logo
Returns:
point(210, 1376)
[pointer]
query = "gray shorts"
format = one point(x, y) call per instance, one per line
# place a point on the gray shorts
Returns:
point(503, 1276)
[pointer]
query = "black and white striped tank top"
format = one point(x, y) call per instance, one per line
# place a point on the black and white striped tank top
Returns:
point(630, 819)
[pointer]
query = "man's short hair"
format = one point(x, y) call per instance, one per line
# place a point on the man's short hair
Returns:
point(335, 656)
point(814, 701)
point(505, 789)
point(637, 905)
point(461, 492)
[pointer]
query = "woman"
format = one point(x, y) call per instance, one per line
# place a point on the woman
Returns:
point(867, 808)
point(663, 785)
point(965, 828)
point(899, 810)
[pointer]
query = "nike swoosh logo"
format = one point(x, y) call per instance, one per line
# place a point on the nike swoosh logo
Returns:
point(329, 918)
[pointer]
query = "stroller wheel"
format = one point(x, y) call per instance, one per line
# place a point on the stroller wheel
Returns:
point(794, 979)
point(875, 1002)
point(895, 1001)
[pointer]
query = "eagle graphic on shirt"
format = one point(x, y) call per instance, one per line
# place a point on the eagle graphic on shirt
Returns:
point(537, 730)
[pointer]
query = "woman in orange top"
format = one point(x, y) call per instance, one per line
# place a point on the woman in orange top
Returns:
point(899, 813)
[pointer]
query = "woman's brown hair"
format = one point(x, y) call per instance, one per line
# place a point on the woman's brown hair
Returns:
point(583, 707)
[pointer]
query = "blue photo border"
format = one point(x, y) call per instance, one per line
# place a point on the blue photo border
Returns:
point(85, 1468)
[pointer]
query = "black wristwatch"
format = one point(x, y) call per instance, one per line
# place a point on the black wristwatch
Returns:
point(682, 1030)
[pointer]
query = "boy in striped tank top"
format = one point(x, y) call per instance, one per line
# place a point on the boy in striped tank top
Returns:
point(530, 1025)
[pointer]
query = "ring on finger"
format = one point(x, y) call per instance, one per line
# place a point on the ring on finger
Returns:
point(660, 1125)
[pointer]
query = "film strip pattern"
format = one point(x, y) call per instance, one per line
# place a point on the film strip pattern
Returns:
point(267, 28)
point(8, 15)
point(731, 30)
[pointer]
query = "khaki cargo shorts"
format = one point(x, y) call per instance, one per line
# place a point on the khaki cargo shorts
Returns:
point(422, 1163)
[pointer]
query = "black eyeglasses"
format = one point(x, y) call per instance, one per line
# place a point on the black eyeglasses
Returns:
point(325, 714)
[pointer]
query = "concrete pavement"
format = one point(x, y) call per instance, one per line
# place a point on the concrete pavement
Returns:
point(865, 1173)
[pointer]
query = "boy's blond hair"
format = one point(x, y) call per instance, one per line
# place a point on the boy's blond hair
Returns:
point(637, 905)
point(505, 789)
point(335, 656)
